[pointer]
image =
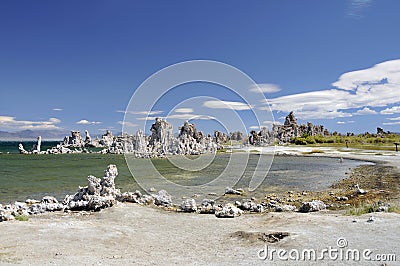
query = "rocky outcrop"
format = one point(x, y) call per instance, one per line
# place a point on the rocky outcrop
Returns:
point(100, 193)
point(35, 149)
point(160, 143)
point(286, 132)
point(220, 137)
point(237, 136)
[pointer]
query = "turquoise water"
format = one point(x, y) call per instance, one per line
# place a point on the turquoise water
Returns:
point(33, 176)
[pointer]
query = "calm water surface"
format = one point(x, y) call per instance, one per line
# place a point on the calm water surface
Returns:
point(33, 176)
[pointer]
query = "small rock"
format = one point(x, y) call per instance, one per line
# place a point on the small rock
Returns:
point(207, 207)
point(189, 205)
point(229, 190)
point(342, 198)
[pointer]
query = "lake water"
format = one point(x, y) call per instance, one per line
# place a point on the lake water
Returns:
point(33, 176)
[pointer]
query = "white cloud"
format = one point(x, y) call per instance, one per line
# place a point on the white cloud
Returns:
point(390, 111)
point(239, 106)
point(344, 122)
point(366, 111)
point(147, 118)
point(86, 122)
point(265, 88)
point(57, 109)
point(255, 127)
point(190, 117)
point(10, 122)
point(184, 110)
point(140, 112)
point(391, 123)
point(373, 87)
point(394, 118)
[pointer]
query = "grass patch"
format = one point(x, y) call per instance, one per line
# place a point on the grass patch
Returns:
point(370, 208)
point(22, 218)
point(313, 151)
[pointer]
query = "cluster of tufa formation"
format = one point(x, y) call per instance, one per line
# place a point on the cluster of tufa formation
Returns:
point(159, 143)
point(162, 142)
point(284, 133)
point(101, 193)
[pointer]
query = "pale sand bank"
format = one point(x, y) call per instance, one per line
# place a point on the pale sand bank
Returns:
point(133, 234)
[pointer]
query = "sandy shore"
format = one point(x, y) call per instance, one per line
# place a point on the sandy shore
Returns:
point(132, 234)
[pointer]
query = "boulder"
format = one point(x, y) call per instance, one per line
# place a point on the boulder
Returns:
point(249, 205)
point(312, 206)
point(228, 211)
point(285, 208)
point(162, 198)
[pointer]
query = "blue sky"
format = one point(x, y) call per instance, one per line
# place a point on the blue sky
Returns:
point(75, 64)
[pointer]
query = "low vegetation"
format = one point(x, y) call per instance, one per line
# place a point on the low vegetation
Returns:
point(370, 208)
point(22, 218)
point(366, 141)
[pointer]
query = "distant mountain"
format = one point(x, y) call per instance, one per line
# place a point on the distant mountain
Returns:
point(33, 134)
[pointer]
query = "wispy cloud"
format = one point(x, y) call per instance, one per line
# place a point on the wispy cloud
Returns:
point(255, 127)
point(356, 8)
point(265, 88)
point(127, 123)
point(180, 117)
point(190, 117)
point(184, 110)
point(345, 122)
point(140, 112)
point(10, 122)
point(377, 86)
point(57, 109)
point(86, 122)
point(147, 118)
point(238, 106)
point(391, 123)
point(394, 118)
point(390, 111)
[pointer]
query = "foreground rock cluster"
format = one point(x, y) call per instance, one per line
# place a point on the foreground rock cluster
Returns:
point(101, 193)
